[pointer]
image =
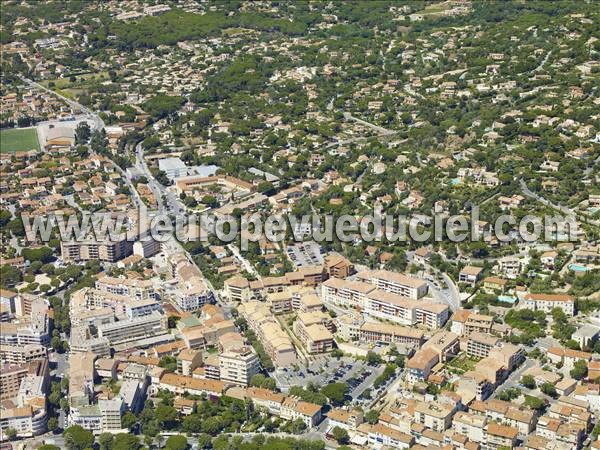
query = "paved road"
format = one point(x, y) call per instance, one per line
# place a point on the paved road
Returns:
point(379, 129)
point(564, 209)
point(544, 61)
point(245, 263)
point(98, 122)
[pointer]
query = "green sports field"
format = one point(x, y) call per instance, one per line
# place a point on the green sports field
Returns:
point(19, 139)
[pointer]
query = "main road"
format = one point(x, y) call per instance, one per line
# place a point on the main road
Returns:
point(98, 122)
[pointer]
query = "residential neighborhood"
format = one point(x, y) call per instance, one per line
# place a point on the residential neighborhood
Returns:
point(299, 225)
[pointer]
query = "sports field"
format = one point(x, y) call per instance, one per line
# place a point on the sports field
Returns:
point(18, 139)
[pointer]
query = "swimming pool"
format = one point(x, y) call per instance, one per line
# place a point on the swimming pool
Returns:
point(578, 268)
point(507, 299)
point(455, 181)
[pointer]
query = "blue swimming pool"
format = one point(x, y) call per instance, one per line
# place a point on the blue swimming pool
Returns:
point(578, 268)
point(507, 299)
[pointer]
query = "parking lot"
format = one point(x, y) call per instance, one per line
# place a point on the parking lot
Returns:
point(357, 374)
point(305, 254)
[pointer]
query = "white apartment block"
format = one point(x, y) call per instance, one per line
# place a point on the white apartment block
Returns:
point(139, 328)
point(239, 365)
point(547, 302)
point(394, 282)
point(336, 291)
point(131, 287)
point(472, 426)
point(405, 311)
point(436, 416)
point(20, 354)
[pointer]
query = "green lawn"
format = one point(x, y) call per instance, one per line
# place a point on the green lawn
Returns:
point(462, 363)
point(18, 139)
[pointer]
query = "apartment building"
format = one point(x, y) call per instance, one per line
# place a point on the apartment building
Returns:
point(436, 416)
point(394, 282)
point(479, 344)
point(567, 434)
point(393, 307)
point(315, 338)
point(10, 379)
point(470, 275)
point(478, 323)
point(567, 356)
point(500, 436)
point(237, 288)
point(506, 413)
point(188, 360)
point(33, 328)
point(372, 332)
point(446, 344)
point(381, 436)
point(432, 315)
point(26, 421)
point(111, 411)
point(133, 393)
point(151, 325)
point(348, 325)
point(307, 302)
point(346, 419)
point(472, 426)
point(480, 382)
point(91, 249)
point(348, 293)
point(338, 266)
point(280, 302)
point(239, 365)
point(508, 354)
point(275, 341)
point(21, 354)
point(131, 287)
point(420, 364)
point(192, 294)
point(315, 330)
point(547, 302)
point(293, 408)
point(179, 384)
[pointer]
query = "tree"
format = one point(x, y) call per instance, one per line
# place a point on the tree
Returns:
point(126, 441)
point(5, 216)
point(105, 440)
point(128, 420)
point(212, 425)
point(298, 426)
point(52, 424)
point(534, 403)
point(48, 447)
point(162, 105)
point(548, 389)
point(82, 133)
point(528, 381)
point(372, 416)
point(373, 358)
point(204, 440)
point(169, 363)
point(340, 435)
point(9, 276)
point(10, 433)
point(261, 381)
point(579, 370)
point(177, 442)
point(42, 254)
point(335, 392)
point(78, 438)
